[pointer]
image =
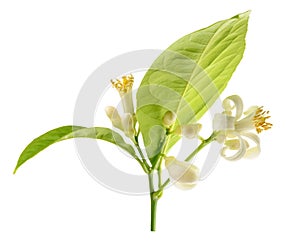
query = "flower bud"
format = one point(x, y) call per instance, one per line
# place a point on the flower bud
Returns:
point(128, 125)
point(185, 174)
point(189, 131)
point(169, 118)
point(113, 115)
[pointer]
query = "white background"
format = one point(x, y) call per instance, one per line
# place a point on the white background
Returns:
point(47, 51)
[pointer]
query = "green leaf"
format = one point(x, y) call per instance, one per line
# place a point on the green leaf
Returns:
point(69, 132)
point(188, 77)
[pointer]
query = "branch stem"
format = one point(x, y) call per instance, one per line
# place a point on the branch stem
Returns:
point(204, 143)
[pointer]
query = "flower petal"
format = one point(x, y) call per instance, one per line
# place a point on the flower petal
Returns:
point(128, 125)
point(223, 122)
point(185, 186)
point(182, 172)
point(252, 152)
point(238, 103)
point(127, 102)
point(245, 124)
point(233, 144)
point(241, 151)
point(113, 114)
point(251, 110)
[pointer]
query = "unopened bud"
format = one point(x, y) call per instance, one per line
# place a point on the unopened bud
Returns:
point(185, 174)
point(169, 118)
point(113, 115)
point(189, 131)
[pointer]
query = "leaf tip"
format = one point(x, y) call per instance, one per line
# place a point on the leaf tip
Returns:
point(243, 15)
point(15, 170)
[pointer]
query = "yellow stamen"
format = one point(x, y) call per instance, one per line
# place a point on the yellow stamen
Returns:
point(124, 85)
point(259, 120)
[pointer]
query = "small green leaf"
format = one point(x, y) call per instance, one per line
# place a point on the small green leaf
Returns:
point(69, 132)
point(188, 77)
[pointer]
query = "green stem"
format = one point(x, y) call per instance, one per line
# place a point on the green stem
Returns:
point(153, 213)
point(162, 187)
point(159, 175)
point(153, 200)
point(202, 145)
point(157, 164)
point(145, 165)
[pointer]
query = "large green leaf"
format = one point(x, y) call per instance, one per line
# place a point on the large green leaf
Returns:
point(69, 132)
point(188, 77)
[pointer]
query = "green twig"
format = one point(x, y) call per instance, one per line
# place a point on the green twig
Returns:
point(162, 187)
point(202, 145)
point(153, 200)
point(144, 160)
point(159, 175)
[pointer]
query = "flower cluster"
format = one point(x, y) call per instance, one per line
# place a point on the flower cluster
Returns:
point(233, 127)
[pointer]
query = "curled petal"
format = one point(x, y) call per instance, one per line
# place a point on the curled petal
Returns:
point(233, 144)
point(227, 105)
point(252, 152)
point(238, 103)
point(241, 151)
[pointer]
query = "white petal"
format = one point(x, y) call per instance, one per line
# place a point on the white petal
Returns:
point(233, 144)
point(185, 186)
point(227, 105)
point(223, 122)
point(238, 105)
point(127, 102)
point(251, 110)
point(252, 136)
point(252, 152)
point(246, 124)
point(113, 115)
point(239, 154)
point(220, 137)
point(182, 172)
point(127, 123)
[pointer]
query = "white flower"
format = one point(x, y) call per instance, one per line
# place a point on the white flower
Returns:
point(234, 130)
point(189, 131)
point(184, 174)
point(113, 115)
point(124, 87)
